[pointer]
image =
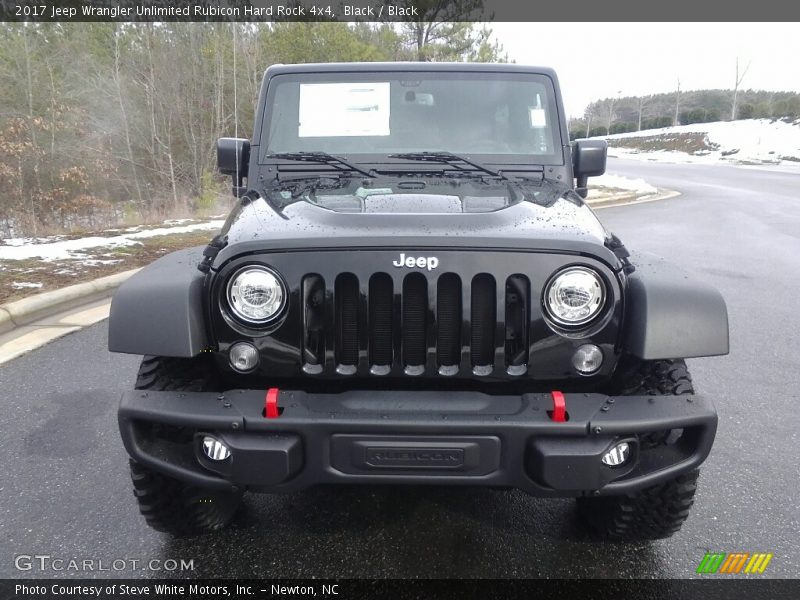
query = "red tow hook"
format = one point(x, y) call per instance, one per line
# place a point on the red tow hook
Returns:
point(271, 410)
point(559, 412)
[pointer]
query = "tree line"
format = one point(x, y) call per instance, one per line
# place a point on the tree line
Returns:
point(636, 113)
point(102, 123)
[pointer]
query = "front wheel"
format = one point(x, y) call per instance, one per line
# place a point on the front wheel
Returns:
point(653, 513)
point(658, 511)
point(167, 504)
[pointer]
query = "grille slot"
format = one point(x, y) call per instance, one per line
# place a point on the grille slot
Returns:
point(448, 320)
point(415, 312)
point(415, 324)
point(517, 318)
point(346, 303)
point(381, 309)
point(483, 316)
point(313, 290)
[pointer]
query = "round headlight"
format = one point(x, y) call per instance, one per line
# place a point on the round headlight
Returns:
point(256, 294)
point(574, 296)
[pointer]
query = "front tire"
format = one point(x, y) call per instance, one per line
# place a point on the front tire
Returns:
point(167, 504)
point(658, 511)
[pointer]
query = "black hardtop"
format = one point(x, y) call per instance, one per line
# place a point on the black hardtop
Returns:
point(394, 67)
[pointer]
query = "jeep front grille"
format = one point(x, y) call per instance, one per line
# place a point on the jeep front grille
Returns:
point(415, 325)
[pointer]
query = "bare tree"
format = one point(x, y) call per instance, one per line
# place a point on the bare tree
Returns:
point(677, 102)
point(643, 100)
point(117, 78)
point(31, 115)
point(739, 79)
point(611, 115)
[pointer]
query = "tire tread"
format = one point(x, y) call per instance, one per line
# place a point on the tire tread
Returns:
point(169, 505)
point(660, 510)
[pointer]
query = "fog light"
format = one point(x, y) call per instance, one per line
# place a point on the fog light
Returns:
point(587, 359)
point(617, 455)
point(216, 450)
point(243, 356)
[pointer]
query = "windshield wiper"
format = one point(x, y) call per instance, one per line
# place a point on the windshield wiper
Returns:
point(322, 158)
point(298, 186)
point(449, 158)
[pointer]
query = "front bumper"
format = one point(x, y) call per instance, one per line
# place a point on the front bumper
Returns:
point(429, 437)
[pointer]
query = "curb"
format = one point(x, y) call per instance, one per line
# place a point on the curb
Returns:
point(27, 310)
point(606, 199)
point(630, 199)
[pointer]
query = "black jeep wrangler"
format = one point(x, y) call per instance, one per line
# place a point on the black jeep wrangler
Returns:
point(411, 290)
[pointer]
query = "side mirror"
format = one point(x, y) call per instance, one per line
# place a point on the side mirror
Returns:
point(233, 158)
point(588, 160)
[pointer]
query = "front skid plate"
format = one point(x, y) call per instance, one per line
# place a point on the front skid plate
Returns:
point(452, 438)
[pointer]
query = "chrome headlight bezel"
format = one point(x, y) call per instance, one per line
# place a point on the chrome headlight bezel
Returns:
point(234, 307)
point(598, 292)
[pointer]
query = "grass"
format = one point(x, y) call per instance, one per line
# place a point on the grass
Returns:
point(111, 232)
point(681, 142)
point(60, 273)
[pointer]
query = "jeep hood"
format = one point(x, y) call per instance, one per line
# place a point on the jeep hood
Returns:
point(415, 221)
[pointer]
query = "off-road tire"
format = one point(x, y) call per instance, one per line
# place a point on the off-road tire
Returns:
point(658, 511)
point(164, 374)
point(651, 378)
point(167, 504)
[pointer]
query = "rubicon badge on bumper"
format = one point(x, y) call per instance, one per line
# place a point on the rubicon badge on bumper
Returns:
point(442, 458)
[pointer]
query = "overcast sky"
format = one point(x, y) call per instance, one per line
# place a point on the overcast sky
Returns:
point(597, 60)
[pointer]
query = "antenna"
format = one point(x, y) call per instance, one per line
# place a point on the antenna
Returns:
point(235, 106)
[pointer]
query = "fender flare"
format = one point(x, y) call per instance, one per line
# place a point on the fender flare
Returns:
point(159, 311)
point(671, 315)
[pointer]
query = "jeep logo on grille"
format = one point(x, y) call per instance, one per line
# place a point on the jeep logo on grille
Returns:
point(446, 458)
point(422, 262)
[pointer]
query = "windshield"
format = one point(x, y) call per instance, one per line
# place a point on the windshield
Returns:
point(505, 118)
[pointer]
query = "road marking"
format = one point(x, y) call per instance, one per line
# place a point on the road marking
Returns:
point(31, 340)
point(30, 337)
point(87, 317)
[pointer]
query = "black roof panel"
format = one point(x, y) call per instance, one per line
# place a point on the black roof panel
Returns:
point(409, 66)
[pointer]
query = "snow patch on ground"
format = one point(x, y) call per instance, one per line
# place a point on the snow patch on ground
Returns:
point(18, 285)
point(734, 142)
point(94, 262)
point(57, 248)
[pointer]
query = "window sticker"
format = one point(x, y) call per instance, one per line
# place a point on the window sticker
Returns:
point(344, 109)
point(538, 117)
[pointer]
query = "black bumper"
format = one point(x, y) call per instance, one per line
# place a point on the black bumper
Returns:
point(442, 438)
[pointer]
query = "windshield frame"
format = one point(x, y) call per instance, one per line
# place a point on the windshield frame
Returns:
point(379, 160)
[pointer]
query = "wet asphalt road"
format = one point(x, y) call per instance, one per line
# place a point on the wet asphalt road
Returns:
point(64, 489)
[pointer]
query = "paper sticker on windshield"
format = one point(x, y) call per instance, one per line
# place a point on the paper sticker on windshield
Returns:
point(538, 117)
point(344, 109)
